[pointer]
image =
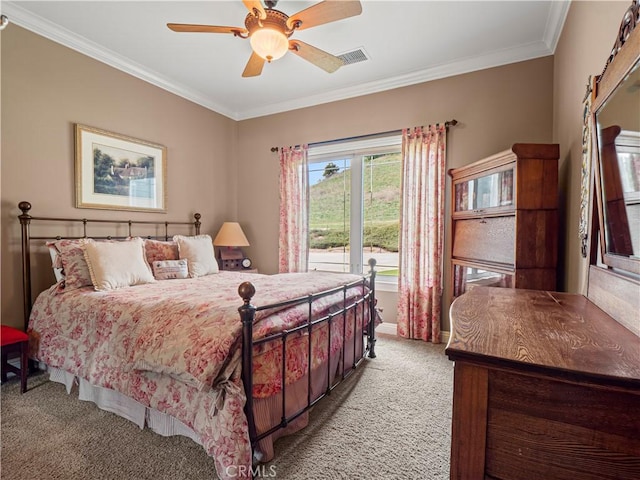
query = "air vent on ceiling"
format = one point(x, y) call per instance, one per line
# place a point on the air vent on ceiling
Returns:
point(354, 56)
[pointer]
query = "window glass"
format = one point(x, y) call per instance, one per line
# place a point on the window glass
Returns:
point(354, 207)
point(329, 215)
point(381, 225)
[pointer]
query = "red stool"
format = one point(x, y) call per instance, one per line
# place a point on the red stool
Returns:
point(13, 340)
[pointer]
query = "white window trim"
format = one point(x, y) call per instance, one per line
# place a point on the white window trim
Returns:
point(355, 147)
point(354, 150)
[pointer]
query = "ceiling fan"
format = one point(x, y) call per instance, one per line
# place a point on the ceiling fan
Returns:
point(269, 30)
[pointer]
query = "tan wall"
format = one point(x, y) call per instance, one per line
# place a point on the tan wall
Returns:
point(46, 88)
point(495, 107)
point(587, 38)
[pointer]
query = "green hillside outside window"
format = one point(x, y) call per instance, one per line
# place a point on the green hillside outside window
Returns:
point(354, 208)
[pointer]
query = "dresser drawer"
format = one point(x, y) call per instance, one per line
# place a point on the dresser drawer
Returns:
point(485, 239)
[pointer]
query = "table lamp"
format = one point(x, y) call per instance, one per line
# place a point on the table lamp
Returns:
point(229, 240)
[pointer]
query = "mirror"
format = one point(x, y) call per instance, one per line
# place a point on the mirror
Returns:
point(618, 127)
point(617, 142)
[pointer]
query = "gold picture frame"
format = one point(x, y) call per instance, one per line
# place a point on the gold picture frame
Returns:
point(117, 172)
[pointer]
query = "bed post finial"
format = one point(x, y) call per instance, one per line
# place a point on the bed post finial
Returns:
point(25, 207)
point(25, 221)
point(246, 290)
point(247, 313)
point(197, 222)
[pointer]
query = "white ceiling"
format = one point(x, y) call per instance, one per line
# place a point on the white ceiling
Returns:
point(407, 42)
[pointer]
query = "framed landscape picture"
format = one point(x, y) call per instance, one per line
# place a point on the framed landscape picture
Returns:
point(117, 172)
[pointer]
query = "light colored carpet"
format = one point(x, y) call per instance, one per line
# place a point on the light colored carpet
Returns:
point(390, 420)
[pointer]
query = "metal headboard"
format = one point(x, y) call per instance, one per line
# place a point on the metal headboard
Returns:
point(25, 222)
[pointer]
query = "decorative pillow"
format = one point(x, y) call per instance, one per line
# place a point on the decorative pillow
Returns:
point(156, 250)
point(198, 251)
point(56, 262)
point(117, 264)
point(74, 266)
point(170, 269)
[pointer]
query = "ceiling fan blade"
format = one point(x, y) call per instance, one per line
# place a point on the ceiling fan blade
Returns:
point(320, 58)
point(255, 5)
point(254, 66)
point(186, 27)
point(325, 12)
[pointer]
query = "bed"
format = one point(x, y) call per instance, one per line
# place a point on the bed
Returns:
point(223, 358)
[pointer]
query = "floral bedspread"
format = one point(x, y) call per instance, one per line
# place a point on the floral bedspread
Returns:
point(175, 346)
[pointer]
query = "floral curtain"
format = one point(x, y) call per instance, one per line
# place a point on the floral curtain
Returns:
point(294, 209)
point(422, 233)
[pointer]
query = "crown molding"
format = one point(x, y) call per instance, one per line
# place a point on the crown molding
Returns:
point(555, 22)
point(459, 67)
point(58, 34)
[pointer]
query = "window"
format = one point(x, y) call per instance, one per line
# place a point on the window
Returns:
point(628, 153)
point(354, 206)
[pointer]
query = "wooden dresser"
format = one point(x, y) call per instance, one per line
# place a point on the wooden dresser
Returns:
point(505, 219)
point(546, 386)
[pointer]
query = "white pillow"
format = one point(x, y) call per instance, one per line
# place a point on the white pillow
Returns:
point(170, 269)
point(198, 251)
point(117, 264)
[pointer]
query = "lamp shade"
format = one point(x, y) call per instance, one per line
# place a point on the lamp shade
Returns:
point(269, 43)
point(230, 235)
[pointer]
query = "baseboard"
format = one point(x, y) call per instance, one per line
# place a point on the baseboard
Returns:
point(386, 328)
point(391, 329)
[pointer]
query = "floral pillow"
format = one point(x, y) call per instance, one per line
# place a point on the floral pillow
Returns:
point(56, 262)
point(74, 266)
point(157, 250)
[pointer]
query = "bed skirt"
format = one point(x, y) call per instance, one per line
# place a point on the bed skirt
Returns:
point(267, 411)
point(123, 406)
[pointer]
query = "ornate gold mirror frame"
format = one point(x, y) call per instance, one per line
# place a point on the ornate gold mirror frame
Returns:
point(586, 180)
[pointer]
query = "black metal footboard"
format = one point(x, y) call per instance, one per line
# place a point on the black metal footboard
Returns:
point(366, 302)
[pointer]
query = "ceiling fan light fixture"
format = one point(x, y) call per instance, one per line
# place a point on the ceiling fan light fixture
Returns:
point(269, 43)
point(268, 31)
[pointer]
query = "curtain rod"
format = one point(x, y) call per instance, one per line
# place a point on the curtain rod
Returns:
point(447, 124)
